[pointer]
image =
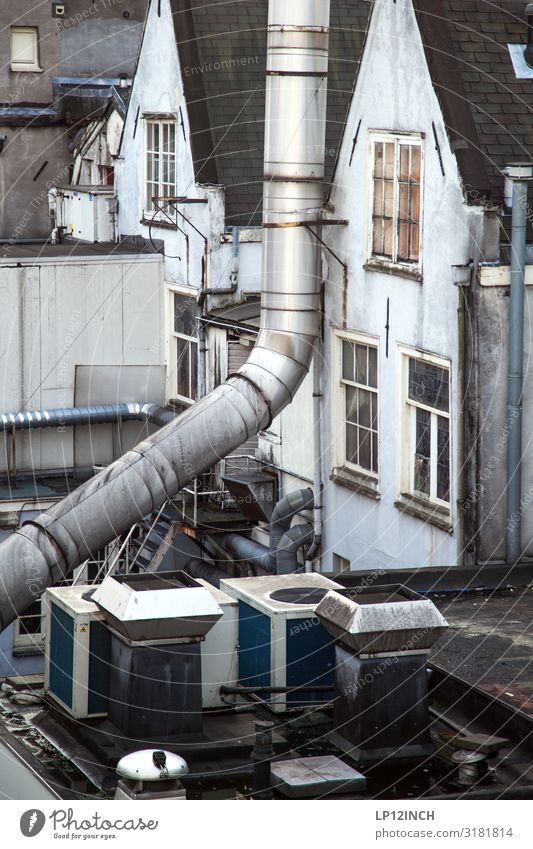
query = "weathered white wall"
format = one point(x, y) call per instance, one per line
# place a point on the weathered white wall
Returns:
point(158, 88)
point(67, 313)
point(394, 92)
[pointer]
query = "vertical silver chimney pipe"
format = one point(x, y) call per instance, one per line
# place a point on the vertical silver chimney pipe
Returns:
point(44, 550)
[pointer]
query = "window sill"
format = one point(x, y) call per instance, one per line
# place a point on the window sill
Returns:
point(26, 69)
point(158, 224)
point(358, 481)
point(429, 512)
point(394, 268)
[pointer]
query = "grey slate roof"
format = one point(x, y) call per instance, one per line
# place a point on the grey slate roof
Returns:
point(222, 49)
point(486, 108)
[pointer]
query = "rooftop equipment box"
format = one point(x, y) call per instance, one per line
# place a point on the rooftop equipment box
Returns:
point(281, 642)
point(219, 650)
point(77, 650)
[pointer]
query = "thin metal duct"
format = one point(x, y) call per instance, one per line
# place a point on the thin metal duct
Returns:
point(45, 549)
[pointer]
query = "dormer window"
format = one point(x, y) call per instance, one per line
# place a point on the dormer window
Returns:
point(396, 200)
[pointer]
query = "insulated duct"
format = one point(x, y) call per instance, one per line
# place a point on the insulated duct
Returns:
point(45, 549)
point(93, 415)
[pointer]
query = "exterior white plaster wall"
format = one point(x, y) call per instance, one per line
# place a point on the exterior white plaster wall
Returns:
point(65, 314)
point(394, 93)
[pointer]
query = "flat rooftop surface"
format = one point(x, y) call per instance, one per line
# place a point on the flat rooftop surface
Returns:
point(34, 251)
point(490, 642)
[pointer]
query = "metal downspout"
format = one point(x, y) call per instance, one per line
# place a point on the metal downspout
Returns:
point(45, 550)
point(314, 550)
point(519, 175)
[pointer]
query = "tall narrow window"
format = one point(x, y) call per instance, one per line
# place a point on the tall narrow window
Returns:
point(428, 421)
point(359, 381)
point(184, 365)
point(396, 199)
point(160, 161)
point(25, 49)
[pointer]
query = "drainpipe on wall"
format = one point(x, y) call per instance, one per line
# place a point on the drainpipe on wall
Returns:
point(517, 177)
point(314, 550)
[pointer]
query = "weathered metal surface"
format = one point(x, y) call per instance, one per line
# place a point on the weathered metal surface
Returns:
point(302, 778)
point(389, 627)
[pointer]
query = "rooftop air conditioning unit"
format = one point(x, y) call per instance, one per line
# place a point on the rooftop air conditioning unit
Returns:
point(77, 652)
point(281, 642)
point(86, 212)
point(219, 650)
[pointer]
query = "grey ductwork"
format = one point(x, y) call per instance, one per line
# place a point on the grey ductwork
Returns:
point(282, 536)
point(46, 549)
point(290, 544)
point(285, 511)
point(97, 414)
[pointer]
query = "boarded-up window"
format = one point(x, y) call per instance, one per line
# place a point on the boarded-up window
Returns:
point(25, 49)
point(396, 200)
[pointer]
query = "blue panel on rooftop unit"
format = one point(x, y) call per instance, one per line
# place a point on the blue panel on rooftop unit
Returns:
point(99, 652)
point(310, 658)
point(61, 654)
point(254, 647)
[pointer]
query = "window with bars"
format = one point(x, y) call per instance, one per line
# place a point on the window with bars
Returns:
point(427, 400)
point(160, 161)
point(396, 200)
point(185, 348)
point(359, 381)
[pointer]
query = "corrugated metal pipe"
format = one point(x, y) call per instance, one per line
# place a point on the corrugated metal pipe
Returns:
point(95, 414)
point(44, 550)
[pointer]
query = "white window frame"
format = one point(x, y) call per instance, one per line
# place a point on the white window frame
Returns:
point(378, 259)
point(407, 429)
point(164, 188)
point(172, 351)
point(25, 67)
point(342, 466)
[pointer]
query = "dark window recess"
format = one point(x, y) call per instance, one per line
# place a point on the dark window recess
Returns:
point(423, 452)
point(185, 313)
point(443, 458)
point(429, 384)
point(30, 623)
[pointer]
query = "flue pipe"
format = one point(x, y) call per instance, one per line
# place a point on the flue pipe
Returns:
point(44, 550)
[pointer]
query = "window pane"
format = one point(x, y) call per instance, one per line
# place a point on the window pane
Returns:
point(351, 404)
point(193, 356)
point(375, 452)
point(23, 46)
point(415, 162)
point(403, 240)
point(182, 367)
point(378, 159)
point(373, 367)
point(364, 448)
point(374, 408)
point(422, 451)
point(388, 199)
point(405, 171)
point(348, 362)
point(30, 623)
point(378, 197)
point(443, 458)
point(377, 236)
point(414, 212)
point(185, 311)
point(415, 242)
point(389, 160)
point(361, 373)
point(429, 384)
point(404, 201)
point(387, 238)
point(351, 444)
point(364, 407)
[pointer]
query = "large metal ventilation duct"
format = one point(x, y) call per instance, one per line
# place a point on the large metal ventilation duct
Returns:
point(45, 549)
